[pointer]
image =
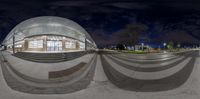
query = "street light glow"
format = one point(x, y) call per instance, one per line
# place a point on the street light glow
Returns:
point(164, 44)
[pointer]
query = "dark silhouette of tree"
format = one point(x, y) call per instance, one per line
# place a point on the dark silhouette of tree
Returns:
point(170, 45)
point(132, 33)
point(120, 47)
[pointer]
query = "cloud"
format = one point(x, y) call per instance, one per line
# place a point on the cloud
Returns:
point(103, 9)
point(181, 6)
point(175, 36)
point(71, 3)
point(129, 5)
point(99, 36)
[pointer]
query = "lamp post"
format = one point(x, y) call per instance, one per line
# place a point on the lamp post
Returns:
point(164, 44)
point(142, 46)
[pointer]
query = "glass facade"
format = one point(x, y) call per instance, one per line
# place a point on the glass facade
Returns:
point(49, 33)
point(70, 44)
point(54, 46)
point(35, 44)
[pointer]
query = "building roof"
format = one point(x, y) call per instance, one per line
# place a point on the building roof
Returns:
point(48, 25)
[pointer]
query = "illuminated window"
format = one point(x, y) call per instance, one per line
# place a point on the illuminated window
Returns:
point(18, 46)
point(54, 46)
point(82, 45)
point(70, 44)
point(51, 38)
point(35, 44)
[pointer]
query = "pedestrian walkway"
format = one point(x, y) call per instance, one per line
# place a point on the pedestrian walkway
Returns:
point(41, 70)
point(148, 75)
point(157, 64)
point(189, 90)
point(99, 75)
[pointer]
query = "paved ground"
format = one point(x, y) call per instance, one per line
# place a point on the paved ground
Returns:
point(41, 70)
point(184, 83)
point(76, 81)
point(149, 81)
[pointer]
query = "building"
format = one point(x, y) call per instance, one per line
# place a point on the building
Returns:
point(48, 34)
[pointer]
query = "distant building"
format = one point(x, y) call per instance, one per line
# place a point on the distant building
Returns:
point(137, 47)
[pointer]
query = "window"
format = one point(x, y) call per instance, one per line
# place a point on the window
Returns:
point(54, 45)
point(82, 45)
point(18, 46)
point(35, 44)
point(70, 44)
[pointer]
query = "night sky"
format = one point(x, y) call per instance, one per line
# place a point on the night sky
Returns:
point(167, 20)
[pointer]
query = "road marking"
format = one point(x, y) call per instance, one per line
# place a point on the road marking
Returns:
point(146, 60)
point(148, 75)
point(148, 65)
point(99, 72)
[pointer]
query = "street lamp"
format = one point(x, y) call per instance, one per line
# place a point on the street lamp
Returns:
point(164, 44)
point(142, 46)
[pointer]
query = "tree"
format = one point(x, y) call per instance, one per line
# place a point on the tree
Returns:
point(170, 45)
point(132, 32)
point(120, 47)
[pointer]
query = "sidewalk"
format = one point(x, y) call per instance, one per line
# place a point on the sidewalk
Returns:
point(189, 90)
point(41, 70)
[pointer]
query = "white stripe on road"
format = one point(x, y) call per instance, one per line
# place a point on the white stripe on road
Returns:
point(99, 72)
point(148, 65)
point(146, 60)
point(148, 75)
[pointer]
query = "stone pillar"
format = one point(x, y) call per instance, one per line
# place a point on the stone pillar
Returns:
point(77, 45)
point(45, 43)
point(63, 45)
point(85, 44)
point(13, 43)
